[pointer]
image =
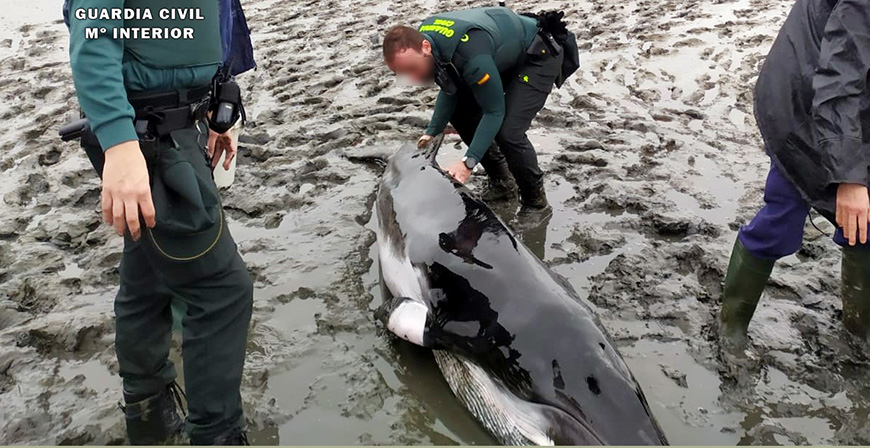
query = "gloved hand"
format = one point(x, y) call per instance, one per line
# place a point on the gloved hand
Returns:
point(551, 21)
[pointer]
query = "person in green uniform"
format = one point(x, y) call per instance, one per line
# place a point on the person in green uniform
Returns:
point(145, 101)
point(495, 75)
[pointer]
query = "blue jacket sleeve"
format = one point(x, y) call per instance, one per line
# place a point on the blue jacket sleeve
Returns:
point(99, 83)
point(840, 85)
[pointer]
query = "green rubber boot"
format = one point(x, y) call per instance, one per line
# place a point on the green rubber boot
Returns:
point(744, 283)
point(856, 291)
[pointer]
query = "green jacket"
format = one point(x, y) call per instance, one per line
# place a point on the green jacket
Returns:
point(105, 68)
point(482, 43)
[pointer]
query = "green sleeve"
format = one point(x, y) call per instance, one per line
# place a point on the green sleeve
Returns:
point(99, 83)
point(444, 106)
point(481, 74)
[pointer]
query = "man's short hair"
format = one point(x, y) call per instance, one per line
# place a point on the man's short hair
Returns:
point(401, 38)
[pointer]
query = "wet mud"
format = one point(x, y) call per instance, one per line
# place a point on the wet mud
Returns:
point(653, 162)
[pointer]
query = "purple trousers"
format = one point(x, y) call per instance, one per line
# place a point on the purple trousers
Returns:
point(778, 229)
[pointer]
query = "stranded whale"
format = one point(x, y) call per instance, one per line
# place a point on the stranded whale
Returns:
point(519, 349)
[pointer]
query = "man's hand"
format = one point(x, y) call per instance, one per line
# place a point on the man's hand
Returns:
point(126, 191)
point(424, 140)
point(218, 144)
point(459, 172)
point(853, 211)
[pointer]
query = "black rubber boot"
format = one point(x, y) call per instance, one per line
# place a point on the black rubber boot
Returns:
point(744, 283)
point(234, 437)
point(154, 420)
point(502, 186)
point(534, 208)
point(856, 291)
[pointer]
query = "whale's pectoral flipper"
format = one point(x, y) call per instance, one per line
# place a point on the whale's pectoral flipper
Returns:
point(407, 319)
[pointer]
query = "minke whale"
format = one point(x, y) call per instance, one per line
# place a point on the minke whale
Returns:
point(515, 343)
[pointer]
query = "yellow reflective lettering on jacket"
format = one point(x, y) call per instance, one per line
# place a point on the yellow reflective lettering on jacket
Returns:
point(440, 26)
point(446, 32)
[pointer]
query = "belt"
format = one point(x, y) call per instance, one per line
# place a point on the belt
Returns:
point(167, 99)
point(159, 113)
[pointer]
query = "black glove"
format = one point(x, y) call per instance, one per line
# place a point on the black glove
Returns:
point(551, 22)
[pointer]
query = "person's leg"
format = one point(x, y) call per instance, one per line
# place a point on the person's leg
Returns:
point(217, 292)
point(855, 286)
point(855, 290)
point(775, 232)
point(143, 322)
point(525, 96)
point(465, 120)
point(215, 331)
point(502, 186)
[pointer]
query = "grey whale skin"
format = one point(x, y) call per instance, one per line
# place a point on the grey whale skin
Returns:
point(515, 343)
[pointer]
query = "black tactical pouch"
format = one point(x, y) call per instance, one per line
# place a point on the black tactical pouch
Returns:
point(555, 35)
point(447, 77)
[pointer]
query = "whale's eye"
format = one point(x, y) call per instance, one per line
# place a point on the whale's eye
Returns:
point(593, 385)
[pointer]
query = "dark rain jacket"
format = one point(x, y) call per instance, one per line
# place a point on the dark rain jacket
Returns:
point(812, 102)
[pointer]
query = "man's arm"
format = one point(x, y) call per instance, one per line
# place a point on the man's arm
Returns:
point(445, 105)
point(99, 83)
point(481, 74)
point(839, 85)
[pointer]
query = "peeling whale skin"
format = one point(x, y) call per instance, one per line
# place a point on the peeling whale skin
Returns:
point(528, 359)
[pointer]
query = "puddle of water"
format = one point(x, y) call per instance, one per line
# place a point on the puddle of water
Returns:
point(297, 314)
point(97, 375)
point(71, 270)
point(689, 416)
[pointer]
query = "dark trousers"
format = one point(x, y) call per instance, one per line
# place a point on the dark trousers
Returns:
point(778, 228)
point(526, 91)
point(217, 292)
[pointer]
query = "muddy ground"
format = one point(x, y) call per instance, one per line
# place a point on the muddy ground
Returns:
point(653, 163)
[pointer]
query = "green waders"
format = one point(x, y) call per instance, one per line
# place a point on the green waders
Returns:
point(747, 275)
point(217, 293)
point(856, 291)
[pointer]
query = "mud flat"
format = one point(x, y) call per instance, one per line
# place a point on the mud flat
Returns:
point(653, 163)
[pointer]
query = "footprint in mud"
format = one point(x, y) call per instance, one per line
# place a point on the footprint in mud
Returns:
point(33, 186)
point(50, 156)
point(596, 243)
